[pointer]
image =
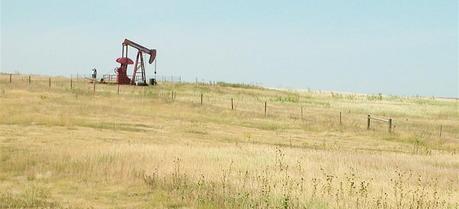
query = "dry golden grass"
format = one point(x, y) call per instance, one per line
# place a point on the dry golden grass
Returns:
point(68, 148)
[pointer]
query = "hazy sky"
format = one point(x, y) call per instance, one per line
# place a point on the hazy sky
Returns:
point(403, 47)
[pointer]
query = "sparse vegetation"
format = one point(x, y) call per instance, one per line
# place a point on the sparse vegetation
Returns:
point(69, 148)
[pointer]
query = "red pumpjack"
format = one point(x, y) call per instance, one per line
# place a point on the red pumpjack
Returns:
point(139, 67)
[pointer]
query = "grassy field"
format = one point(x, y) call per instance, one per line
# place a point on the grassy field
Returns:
point(144, 148)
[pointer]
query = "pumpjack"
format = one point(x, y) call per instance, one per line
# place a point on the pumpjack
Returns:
point(138, 74)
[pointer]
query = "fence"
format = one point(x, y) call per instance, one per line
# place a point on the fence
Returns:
point(389, 121)
point(112, 78)
point(274, 109)
point(171, 79)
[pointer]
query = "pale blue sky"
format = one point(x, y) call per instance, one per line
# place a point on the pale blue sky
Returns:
point(403, 47)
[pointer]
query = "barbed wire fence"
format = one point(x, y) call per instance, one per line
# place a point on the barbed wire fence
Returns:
point(292, 107)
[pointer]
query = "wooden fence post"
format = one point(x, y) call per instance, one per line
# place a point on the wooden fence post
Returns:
point(232, 104)
point(368, 122)
point(390, 125)
point(340, 121)
point(71, 83)
point(29, 80)
point(11, 75)
point(265, 108)
point(441, 129)
point(49, 82)
point(201, 98)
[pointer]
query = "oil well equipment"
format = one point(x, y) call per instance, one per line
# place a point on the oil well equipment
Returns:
point(138, 73)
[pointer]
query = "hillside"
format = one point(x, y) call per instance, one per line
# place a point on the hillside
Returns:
point(64, 145)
